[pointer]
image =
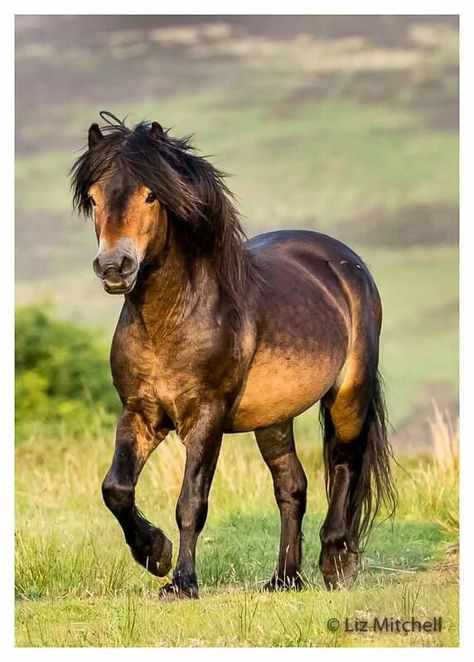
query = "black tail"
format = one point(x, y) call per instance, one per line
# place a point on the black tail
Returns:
point(374, 485)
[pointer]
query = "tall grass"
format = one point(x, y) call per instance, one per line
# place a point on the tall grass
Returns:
point(72, 563)
point(445, 441)
point(433, 490)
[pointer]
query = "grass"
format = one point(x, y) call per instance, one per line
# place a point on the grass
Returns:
point(419, 348)
point(77, 585)
point(243, 619)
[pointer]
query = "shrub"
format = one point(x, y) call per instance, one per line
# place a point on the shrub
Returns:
point(62, 370)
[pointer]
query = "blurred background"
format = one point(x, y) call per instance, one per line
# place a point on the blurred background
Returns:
point(343, 124)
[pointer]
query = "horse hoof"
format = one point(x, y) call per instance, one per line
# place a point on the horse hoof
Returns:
point(155, 556)
point(279, 584)
point(171, 592)
point(339, 568)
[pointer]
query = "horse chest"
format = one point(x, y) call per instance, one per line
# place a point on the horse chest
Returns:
point(135, 376)
point(161, 379)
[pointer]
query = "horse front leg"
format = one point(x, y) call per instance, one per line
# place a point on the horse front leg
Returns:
point(134, 445)
point(203, 444)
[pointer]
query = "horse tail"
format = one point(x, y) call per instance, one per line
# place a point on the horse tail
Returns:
point(374, 486)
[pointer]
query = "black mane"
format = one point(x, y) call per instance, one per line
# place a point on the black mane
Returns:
point(191, 189)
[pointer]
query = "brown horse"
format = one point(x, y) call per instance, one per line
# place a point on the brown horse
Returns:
point(217, 335)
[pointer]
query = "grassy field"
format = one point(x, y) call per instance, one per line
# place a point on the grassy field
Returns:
point(77, 585)
point(346, 125)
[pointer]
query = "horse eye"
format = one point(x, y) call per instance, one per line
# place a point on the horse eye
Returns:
point(151, 197)
point(91, 200)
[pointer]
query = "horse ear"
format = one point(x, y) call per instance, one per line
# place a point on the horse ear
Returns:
point(95, 135)
point(156, 130)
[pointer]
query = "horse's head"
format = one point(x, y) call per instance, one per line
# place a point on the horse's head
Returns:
point(130, 223)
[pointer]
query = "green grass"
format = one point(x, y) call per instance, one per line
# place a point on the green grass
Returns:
point(242, 619)
point(420, 350)
point(77, 585)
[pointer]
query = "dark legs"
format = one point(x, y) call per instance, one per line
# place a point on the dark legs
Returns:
point(191, 511)
point(149, 546)
point(357, 458)
point(350, 431)
point(277, 446)
point(134, 444)
point(339, 559)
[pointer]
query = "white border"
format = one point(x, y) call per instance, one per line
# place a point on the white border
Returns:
point(7, 282)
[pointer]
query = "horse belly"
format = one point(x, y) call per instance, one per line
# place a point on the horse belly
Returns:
point(280, 387)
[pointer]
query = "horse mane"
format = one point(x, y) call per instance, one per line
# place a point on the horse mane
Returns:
point(192, 190)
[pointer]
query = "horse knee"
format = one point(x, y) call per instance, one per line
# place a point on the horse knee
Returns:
point(299, 489)
point(117, 496)
point(292, 493)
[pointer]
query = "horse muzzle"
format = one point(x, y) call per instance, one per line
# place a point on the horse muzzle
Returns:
point(117, 270)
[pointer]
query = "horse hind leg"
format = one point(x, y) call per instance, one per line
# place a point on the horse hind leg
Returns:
point(339, 558)
point(357, 468)
point(276, 443)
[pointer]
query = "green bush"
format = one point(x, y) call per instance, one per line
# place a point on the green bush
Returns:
point(62, 371)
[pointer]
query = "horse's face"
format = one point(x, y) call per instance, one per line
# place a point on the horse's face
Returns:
point(130, 225)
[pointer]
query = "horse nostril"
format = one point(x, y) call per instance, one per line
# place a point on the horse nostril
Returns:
point(104, 267)
point(96, 266)
point(127, 265)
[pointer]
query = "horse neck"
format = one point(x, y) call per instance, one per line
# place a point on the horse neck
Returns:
point(173, 288)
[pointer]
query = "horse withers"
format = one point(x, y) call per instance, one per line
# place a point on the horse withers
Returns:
point(218, 334)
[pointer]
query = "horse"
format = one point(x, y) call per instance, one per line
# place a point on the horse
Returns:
point(219, 334)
